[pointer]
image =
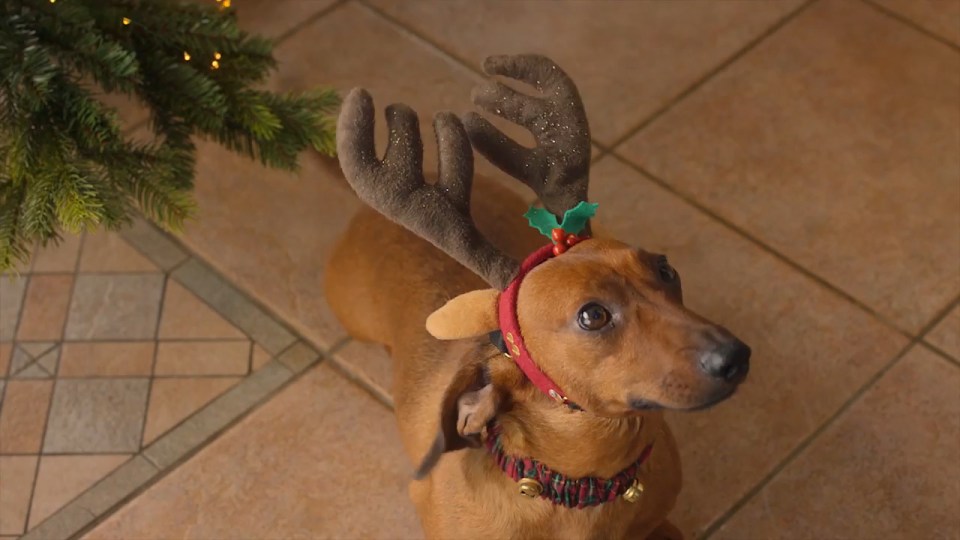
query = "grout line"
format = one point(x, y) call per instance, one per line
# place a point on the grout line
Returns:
point(472, 68)
point(941, 353)
point(290, 32)
point(697, 84)
point(912, 24)
point(153, 361)
point(53, 382)
point(761, 244)
point(830, 421)
point(145, 340)
point(104, 273)
point(250, 358)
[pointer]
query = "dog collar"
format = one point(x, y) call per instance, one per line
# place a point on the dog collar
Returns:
point(537, 480)
point(510, 339)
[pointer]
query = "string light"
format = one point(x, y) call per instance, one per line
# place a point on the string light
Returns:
point(215, 64)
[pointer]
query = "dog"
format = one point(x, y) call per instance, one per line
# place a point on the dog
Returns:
point(530, 376)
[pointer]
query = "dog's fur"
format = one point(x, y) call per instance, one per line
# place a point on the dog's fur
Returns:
point(383, 282)
point(389, 286)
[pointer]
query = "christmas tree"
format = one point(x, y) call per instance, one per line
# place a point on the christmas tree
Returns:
point(65, 165)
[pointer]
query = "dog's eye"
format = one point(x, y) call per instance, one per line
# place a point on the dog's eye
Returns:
point(593, 317)
point(667, 273)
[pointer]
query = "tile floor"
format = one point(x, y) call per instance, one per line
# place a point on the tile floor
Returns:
point(102, 352)
point(799, 160)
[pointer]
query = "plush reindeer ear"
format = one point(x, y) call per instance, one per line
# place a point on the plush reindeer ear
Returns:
point(469, 404)
point(469, 315)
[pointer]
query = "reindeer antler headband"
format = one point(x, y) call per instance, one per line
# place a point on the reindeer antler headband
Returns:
point(557, 170)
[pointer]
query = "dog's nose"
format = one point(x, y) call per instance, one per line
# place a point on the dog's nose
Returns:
point(729, 361)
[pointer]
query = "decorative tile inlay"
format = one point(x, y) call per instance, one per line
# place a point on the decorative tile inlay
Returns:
point(11, 299)
point(107, 359)
point(203, 358)
point(24, 412)
point(172, 400)
point(115, 307)
point(96, 415)
point(108, 252)
point(186, 317)
point(45, 307)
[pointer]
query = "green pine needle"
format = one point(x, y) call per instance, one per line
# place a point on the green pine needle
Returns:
point(65, 164)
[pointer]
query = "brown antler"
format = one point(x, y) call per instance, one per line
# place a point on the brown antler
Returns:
point(395, 186)
point(557, 170)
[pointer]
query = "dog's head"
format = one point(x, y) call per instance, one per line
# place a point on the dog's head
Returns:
point(607, 323)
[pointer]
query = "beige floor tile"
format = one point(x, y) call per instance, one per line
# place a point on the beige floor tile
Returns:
point(172, 400)
point(5, 350)
point(45, 308)
point(370, 362)
point(260, 358)
point(25, 405)
point(811, 349)
point(58, 258)
point(834, 142)
point(942, 17)
point(96, 416)
point(278, 472)
point(393, 67)
point(12, 290)
point(186, 317)
point(946, 335)
point(109, 252)
point(120, 306)
point(203, 358)
point(628, 58)
point(17, 473)
point(255, 218)
point(61, 478)
point(273, 18)
point(886, 469)
point(106, 359)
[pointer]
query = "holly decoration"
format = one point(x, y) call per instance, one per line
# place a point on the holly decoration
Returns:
point(564, 234)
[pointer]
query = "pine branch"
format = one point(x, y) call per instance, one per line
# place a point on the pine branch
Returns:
point(64, 162)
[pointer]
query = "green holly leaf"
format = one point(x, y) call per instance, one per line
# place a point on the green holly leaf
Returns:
point(575, 219)
point(541, 220)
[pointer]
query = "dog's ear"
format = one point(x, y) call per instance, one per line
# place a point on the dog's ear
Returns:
point(469, 315)
point(469, 404)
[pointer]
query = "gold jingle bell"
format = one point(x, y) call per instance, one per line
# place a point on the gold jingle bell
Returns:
point(634, 492)
point(530, 487)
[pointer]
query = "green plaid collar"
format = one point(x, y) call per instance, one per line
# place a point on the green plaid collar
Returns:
point(533, 475)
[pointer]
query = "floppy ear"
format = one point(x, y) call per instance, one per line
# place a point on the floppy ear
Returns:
point(469, 404)
point(469, 315)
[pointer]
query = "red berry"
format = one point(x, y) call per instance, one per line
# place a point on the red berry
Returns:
point(557, 235)
point(572, 240)
point(559, 249)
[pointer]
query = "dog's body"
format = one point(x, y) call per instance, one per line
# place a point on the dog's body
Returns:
point(383, 282)
point(595, 324)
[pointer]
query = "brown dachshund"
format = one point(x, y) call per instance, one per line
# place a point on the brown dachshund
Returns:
point(534, 408)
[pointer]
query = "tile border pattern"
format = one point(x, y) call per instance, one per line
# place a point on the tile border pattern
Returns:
point(291, 357)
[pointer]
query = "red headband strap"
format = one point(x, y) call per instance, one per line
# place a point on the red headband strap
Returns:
point(510, 326)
